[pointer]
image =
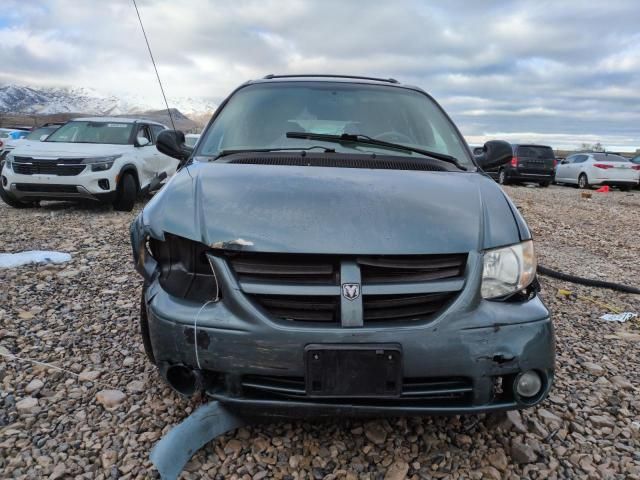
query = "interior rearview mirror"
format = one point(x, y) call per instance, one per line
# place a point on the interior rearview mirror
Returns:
point(171, 142)
point(494, 153)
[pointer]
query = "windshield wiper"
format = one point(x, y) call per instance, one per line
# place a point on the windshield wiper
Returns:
point(224, 153)
point(366, 140)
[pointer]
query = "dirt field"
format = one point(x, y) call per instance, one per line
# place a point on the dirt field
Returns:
point(82, 316)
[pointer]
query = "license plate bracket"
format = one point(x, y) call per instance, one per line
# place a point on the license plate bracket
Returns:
point(353, 370)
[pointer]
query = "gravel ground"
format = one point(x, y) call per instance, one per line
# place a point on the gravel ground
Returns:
point(82, 316)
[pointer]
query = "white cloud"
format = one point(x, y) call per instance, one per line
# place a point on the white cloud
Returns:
point(520, 66)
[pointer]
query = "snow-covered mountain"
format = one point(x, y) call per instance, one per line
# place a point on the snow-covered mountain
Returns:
point(48, 100)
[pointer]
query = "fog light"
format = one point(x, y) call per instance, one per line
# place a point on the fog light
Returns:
point(528, 384)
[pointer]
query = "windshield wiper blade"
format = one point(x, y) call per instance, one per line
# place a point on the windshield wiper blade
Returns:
point(224, 153)
point(366, 140)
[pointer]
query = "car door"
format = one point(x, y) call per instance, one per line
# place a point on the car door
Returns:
point(149, 163)
point(563, 168)
point(167, 163)
point(579, 166)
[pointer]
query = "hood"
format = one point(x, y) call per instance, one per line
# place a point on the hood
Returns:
point(333, 210)
point(68, 150)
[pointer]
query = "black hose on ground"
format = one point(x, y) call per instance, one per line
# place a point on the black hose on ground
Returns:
point(590, 282)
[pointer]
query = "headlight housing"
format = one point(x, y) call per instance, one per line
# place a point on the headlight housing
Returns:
point(185, 270)
point(508, 270)
point(8, 161)
point(99, 164)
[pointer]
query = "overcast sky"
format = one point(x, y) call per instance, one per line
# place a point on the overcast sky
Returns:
point(555, 72)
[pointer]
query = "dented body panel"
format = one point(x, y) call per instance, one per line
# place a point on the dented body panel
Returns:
point(296, 209)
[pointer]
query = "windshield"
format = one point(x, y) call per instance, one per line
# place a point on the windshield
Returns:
point(260, 115)
point(93, 132)
point(38, 132)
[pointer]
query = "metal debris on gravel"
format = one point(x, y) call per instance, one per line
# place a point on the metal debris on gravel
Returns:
point(82, 317)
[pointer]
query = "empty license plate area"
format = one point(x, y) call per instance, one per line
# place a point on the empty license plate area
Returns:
point(353, 370)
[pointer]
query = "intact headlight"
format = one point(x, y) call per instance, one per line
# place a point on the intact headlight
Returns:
point(99, 164)
point(508, 269)
point(8, 161)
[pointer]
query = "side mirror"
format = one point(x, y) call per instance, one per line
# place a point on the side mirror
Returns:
point(564, 162)
point(171, 142)
point(142, 142)
point(494, 153)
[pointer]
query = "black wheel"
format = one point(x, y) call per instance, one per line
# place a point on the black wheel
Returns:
point(544, 184)
point(625, 188)
point(12, 201)
point(502, 177)
point(126, 194)
point(583, 181)
point(144, 328)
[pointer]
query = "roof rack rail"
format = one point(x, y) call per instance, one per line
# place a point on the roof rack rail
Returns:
point(324, 75)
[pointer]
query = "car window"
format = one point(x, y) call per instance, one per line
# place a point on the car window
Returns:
point(532, 151)
point(609, 157)
point(118, 133)
point(144, 132)
point(156, 129)
point(260, 115)
point(581, 158)
point(636, 159)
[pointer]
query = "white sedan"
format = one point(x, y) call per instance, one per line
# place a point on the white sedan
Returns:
point(587, 169)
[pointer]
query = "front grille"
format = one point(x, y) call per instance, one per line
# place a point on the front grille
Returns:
point(423, 390)
point(43, 188)
point(301, 308)
point(380, 308)
point(295, 268)
point(392, 269)
point(301, 282)
point(64, 167)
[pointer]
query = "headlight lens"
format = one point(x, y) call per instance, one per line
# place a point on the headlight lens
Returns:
point(8, 161)
point(99, 164)
point(508, 269)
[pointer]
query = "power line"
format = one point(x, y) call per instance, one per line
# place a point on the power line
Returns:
point(173, 125)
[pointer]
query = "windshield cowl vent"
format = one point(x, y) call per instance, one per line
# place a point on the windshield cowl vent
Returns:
point(334, 160)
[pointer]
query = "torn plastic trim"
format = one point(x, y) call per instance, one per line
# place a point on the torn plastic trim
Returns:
point(174, 450)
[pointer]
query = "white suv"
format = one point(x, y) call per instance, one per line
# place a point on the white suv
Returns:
point(111, 160)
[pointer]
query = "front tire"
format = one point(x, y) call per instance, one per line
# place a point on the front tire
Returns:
point(12, 201)
point(544, 184)
point(583, 182)
point(126, 194)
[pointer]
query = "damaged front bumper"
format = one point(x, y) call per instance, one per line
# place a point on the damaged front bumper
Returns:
point(466, 359)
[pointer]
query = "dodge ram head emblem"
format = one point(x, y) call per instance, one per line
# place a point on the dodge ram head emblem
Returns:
point(350, 291)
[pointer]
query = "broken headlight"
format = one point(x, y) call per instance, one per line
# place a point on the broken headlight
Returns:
point(185, 270)
point(508, 269)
